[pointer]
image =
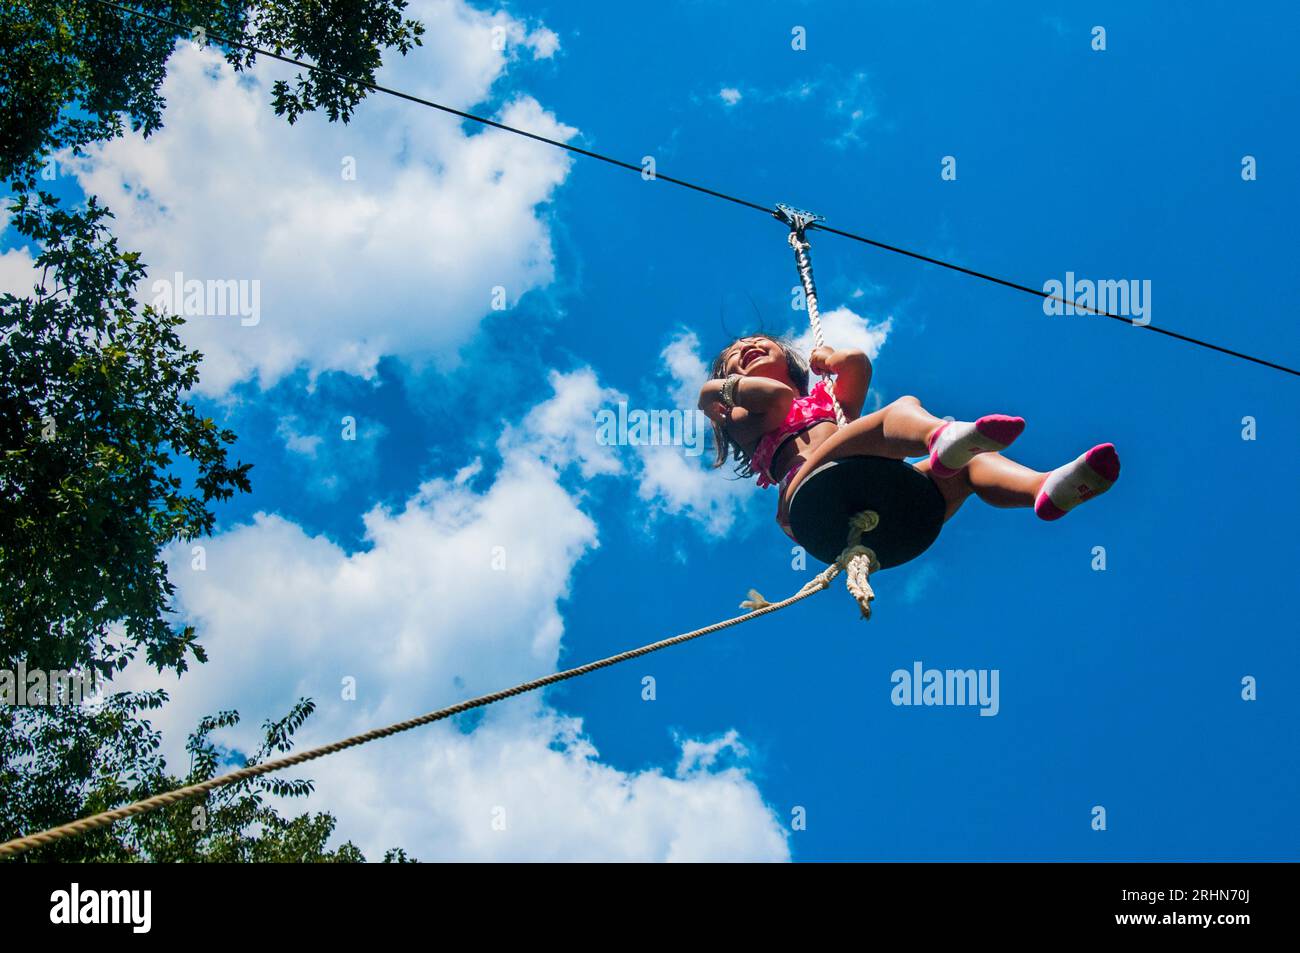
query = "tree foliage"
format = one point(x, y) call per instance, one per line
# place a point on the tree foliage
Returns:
point(104, 462)
point(62, 763)
point(73, 71)
point(93, 421)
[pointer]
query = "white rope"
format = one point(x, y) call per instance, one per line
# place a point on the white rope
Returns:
point(857, 561)
point(804, 264)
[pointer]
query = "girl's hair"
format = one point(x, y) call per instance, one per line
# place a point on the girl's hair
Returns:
point(796, 366)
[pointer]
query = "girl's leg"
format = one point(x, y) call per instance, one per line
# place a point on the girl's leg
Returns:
point(1000, 481)
point(909, 430)
point(897, 430)
point(995, 479)
point(906, 429)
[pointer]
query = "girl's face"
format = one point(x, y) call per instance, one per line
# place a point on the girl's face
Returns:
point(756, 357)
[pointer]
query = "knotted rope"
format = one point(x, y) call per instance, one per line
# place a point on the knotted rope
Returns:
point(857, 560)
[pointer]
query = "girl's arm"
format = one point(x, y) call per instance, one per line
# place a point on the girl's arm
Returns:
point(852, 371)
point(761, 405)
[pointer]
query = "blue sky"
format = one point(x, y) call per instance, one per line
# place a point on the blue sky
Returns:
point(1119, 688)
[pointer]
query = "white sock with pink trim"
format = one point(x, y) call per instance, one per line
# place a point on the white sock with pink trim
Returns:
point(954, 444)
point(1066, 487)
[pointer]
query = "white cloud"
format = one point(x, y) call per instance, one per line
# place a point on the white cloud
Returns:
point(846, 99)
point(507, 33)
point(686, 368)
point(456, 594)
point(543, 42)
point(17, 270)
point(468, 472)
point(402, 260)
point(845, 328)
point(563, 429)
point(550, 797)
point(854, 106)
point(675, 482)
point(705, 754)
point(306, 445)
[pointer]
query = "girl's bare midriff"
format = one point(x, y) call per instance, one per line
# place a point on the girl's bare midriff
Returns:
point(798, 452)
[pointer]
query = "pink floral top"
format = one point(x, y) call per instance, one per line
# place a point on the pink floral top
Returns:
point(804, 412)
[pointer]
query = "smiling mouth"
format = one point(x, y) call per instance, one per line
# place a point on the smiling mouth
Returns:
point(749, 355)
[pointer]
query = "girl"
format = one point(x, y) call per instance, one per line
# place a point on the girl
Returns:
point(765, 417)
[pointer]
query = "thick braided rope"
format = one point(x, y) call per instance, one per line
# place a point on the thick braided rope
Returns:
point(857, 560)
point(804, 264)
point(17, 846)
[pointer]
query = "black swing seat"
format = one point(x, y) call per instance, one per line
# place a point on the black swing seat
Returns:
point(910, 508)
